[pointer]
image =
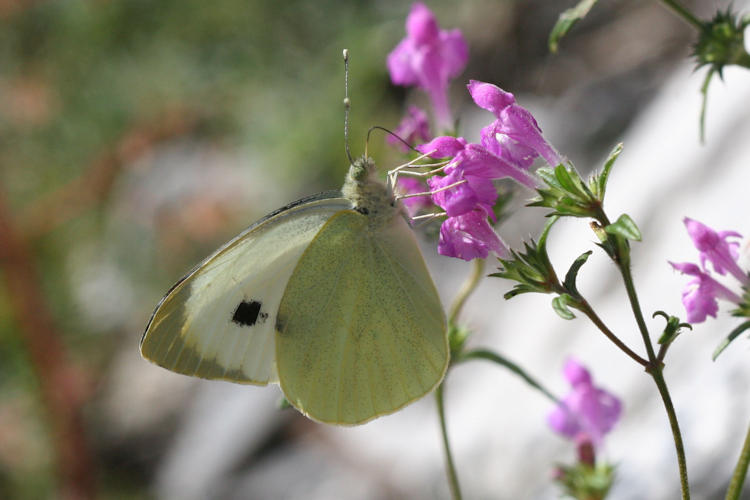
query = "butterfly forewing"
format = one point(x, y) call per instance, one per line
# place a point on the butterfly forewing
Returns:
point(361, 331)
point(218, 322)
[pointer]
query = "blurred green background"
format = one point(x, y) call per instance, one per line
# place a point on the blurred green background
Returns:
point(137, 135)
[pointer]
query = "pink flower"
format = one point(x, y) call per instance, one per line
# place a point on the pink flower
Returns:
point(443, 147)
point(464, 197)
point(515, 134)
point(508, 148)
point(716, 248)
point(428, 58)
point(413, 128)
point(587, 413)
point(470, 236)
point(701, 293)
point(410, 185)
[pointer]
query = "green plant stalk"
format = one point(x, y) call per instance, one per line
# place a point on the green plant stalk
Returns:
point(661, 384)
point(738, 478)
point(655, 370)
point(684, 13)
point(466, 290)
point(586, 309)
point(449, 465)
point(496, 358)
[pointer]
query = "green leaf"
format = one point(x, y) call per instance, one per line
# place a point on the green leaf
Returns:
point(560, 305)
point(548, 176)
point(732, 335)
point(624, 226)
point(572, 274)
point(570, 181)
point(600, 181)
point(566, 21)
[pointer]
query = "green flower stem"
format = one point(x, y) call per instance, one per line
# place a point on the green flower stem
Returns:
point(449, 465)
point(654, 369)
point(635, 305)
point(661, 384)
point(586, 309)
point(684, 13)
point(500, 360)
point(466, 290)
point(738, 478)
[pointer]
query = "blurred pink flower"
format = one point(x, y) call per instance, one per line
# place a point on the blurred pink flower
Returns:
point(587, 413)
point(428, 58)
point(413, 128)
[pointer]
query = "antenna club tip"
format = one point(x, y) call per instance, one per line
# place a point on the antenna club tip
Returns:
point(345, 53)
point(347, 103)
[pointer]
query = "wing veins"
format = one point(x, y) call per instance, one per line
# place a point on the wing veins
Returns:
point(409, 297)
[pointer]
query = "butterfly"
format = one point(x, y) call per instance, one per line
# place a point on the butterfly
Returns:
point(328, 296)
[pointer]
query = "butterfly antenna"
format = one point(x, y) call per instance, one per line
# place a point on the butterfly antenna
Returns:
point(347, 106)
point(394, 134)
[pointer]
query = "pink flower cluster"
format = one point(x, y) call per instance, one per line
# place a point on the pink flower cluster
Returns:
point(508, 147)
point(428, 58)
point(702, 291)
point(587, 413)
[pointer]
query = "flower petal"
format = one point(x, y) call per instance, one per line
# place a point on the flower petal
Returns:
point(421, 25)
point(400, 66)
point(470, 236)
point(490, 97)
point(413, 128)
point(443, 147)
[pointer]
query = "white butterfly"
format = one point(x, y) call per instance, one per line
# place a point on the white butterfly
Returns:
point(328, 296)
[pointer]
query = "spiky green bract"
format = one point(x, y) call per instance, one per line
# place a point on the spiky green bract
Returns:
point(672, 329)
point(531, 268)
point(568, 195)
point(532, 271)
point(586, 482)
point(722, 42)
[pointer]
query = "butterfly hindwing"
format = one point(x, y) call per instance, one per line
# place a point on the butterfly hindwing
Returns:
point(218, 321)
point(361, 331)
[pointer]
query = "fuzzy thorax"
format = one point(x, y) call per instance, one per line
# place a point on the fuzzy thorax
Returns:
point(368, 195)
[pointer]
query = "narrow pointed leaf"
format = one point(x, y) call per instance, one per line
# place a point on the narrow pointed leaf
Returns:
point(566, 21)
point(560, 305)
point(567, 180)
point(732, 335)
point(625, 226)
point(601, 179)
point(572, 274)
point(548, 176)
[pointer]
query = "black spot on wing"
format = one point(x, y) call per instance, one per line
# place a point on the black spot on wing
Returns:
point(248, 313)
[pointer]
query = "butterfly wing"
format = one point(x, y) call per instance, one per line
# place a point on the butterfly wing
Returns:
point(361, 330)
point(218, 321)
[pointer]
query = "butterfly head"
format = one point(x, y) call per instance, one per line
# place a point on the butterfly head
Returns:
point(369, 196)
